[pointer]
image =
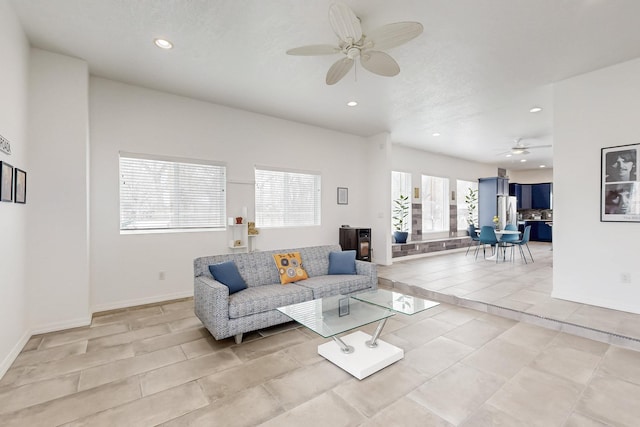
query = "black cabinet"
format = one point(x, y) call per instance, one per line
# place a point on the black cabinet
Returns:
point(488, 191)
point(358, 239)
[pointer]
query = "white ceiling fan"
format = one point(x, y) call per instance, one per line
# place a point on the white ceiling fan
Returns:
point(353, 43)
point(519, 148)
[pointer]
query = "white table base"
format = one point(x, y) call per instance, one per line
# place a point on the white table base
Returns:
point(363, 361)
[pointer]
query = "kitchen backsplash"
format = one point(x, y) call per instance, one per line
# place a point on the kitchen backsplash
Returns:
point(525, 214)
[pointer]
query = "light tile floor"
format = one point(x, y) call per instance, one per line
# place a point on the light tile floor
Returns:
point(513, 289)
point(462, 367)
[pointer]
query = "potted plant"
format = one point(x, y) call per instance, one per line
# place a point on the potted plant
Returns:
point(471, 200)
point(400, 218)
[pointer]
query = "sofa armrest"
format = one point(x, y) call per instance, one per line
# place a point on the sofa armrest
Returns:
point(364, 268)
point(212, 305)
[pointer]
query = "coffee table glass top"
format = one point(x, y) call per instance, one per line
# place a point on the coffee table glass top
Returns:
point(333, 315)
point(396, 301)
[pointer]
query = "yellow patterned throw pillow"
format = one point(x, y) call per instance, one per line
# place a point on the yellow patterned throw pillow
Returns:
point(290, 267)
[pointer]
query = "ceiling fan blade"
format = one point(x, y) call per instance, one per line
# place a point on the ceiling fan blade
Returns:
point(539, 146)
point(315, 49)
point(338, 70)
point(392, 35)
point(344, 22)
point(379, 63)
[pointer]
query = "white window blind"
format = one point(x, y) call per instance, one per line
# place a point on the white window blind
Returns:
point(162, 193)
point(435, 204)
point(287, 198)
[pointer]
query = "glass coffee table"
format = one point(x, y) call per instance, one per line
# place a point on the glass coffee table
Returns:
point(396, 301)
point(358, 353)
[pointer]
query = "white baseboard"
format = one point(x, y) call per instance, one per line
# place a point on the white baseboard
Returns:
point(82, 321)
point(613, 305)
point(60, 326)
point(141, 301)
point(15, 351)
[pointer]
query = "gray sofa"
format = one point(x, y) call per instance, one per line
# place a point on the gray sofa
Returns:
point(254, 308)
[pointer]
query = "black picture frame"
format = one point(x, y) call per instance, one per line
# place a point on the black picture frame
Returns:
point(20, 186)
point(343, 196)
point(619, 184)
point(6, 182)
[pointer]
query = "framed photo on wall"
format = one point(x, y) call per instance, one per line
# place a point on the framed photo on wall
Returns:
point(20, 192)
point(619, 185)
point(6, 182)
point(343, 196)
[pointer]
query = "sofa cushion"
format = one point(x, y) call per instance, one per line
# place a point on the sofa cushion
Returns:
point(227, 273)
point(258, 299)
point(324, 286)
point(290, 267)
point(343, 262)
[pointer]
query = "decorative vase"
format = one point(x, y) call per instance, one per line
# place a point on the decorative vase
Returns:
point(400, 236)
point(239, 220)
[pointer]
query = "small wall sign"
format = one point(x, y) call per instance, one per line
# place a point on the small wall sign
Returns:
point(5, 146)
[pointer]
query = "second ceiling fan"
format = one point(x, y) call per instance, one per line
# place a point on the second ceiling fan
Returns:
point(354, 44)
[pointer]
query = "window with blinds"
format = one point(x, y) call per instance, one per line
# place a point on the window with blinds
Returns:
point(164, 193)
point(287, 198)
point(435, 204)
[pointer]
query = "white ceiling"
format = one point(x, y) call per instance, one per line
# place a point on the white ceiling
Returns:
point(472, 76)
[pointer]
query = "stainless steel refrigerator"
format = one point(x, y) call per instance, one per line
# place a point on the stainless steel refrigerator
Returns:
point(507, 211)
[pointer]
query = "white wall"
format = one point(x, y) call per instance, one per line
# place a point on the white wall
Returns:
point(125, 268)
point(531, 176)
point(592, 111)
point(58, 236)
point(379, 185)
point(14, 51)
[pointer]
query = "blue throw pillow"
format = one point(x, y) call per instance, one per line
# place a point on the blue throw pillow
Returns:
point(227, 273)
point(342, 262)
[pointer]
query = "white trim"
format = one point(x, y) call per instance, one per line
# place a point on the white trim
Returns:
point(15, 351)
point(61, 326)
point(141, 301)
point(170, 158)
point(289, 170)
point(613, 305)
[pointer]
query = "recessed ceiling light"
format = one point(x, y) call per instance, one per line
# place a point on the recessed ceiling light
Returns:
point(509, 155)
point(535, 110)
point(542, 166)
point(163, 44)
point(523, 160)
point(352, 103)
point(435, 134)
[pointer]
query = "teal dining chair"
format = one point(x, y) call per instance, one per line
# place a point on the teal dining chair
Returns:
point(509, 240)
point(524, 242)
point(475, 240)
point(487, 237)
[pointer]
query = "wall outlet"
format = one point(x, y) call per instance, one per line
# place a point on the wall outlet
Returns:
point(161, 275)
point(625, 277)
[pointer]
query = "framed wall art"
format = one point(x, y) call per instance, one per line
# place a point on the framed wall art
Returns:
point(619, 185)
point(20, 186)
point(6, 182)
point(343, 196)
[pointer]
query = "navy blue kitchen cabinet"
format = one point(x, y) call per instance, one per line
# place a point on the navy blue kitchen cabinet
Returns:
point(541, 196)
point(540, 231)
point(522, 193)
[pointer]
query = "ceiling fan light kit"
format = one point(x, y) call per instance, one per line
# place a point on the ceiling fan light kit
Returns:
point(354, 44)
